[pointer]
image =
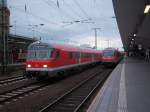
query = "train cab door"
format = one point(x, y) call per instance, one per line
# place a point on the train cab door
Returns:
point(93, 57)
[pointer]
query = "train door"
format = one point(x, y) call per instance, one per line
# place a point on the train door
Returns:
point(70, 57)
point(92, 57)
point(77, 57)
point(57, 58)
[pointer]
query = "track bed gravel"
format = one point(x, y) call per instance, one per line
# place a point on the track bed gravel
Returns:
point(35, 101)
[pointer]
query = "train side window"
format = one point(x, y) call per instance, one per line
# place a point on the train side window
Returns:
point(70, 55)
point(96, 55)
point(115, 54)
point(77, 55)
point(100, 55)
point(57, 54)
point(52, 54)
point(90, 55)
point(81, 55)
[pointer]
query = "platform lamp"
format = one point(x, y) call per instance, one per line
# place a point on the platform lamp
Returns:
point(133, 37)
point(147, 8)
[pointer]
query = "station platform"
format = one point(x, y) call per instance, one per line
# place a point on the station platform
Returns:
point(127, 89)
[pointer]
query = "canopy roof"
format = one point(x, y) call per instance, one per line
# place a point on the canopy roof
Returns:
point(133, 23)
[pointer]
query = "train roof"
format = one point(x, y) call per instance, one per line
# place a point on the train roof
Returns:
point(110, 48)
point(66, 47)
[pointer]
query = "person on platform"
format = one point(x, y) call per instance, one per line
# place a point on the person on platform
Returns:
point(147, 54)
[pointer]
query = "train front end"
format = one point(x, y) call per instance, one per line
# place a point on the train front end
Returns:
point(109, 57)
point(39, 60)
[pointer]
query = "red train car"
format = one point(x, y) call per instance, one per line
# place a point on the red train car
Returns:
point(111, 56)
point(43, 59)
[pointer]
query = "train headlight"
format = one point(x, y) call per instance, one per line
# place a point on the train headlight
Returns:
point(44, 66)
point(28, 65)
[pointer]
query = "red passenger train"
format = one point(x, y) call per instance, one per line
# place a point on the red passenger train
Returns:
point(111, 56)
point(43, 59)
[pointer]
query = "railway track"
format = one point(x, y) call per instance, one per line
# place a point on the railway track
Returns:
point(13, 94)
point(73, 100)
point(11, 80)
point(21, 91)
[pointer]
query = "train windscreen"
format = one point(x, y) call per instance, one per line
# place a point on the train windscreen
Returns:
point(108, 53)
point(39, 52)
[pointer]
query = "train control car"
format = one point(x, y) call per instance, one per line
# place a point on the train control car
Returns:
point(46, 58)
point(111, 56)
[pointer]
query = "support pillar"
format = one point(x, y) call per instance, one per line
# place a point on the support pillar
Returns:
point(4, 31)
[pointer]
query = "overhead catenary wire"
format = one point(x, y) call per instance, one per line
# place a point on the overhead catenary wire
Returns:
point(35, 16)
point(60, 9)
point(27, 16)
point(48, 2)
point(97, 9)
point(82, 10)
point(35, 30)
point(28, 12)
point(50, 5)
point(94, 1)
point(71, 8)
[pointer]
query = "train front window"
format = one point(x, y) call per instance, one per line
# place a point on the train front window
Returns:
point(43, 54)
point(108, 53)
point(31, 54)
point(39, 53)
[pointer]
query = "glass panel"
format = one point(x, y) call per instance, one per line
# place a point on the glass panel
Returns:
point(39, 53)
point(31, 54)
point(108, 53)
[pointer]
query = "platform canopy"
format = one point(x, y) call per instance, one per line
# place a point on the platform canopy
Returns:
point(133, 18)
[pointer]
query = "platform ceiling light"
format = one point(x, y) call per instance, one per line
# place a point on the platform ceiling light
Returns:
point(147, 8)
point(134, 35)
point(132, 39)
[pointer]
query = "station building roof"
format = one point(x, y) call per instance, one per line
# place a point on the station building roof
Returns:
point(132, 22)
point(20, 39)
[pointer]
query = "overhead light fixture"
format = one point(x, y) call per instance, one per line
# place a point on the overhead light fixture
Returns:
point(134, 35)
point(147, 8)
point(132, 39)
